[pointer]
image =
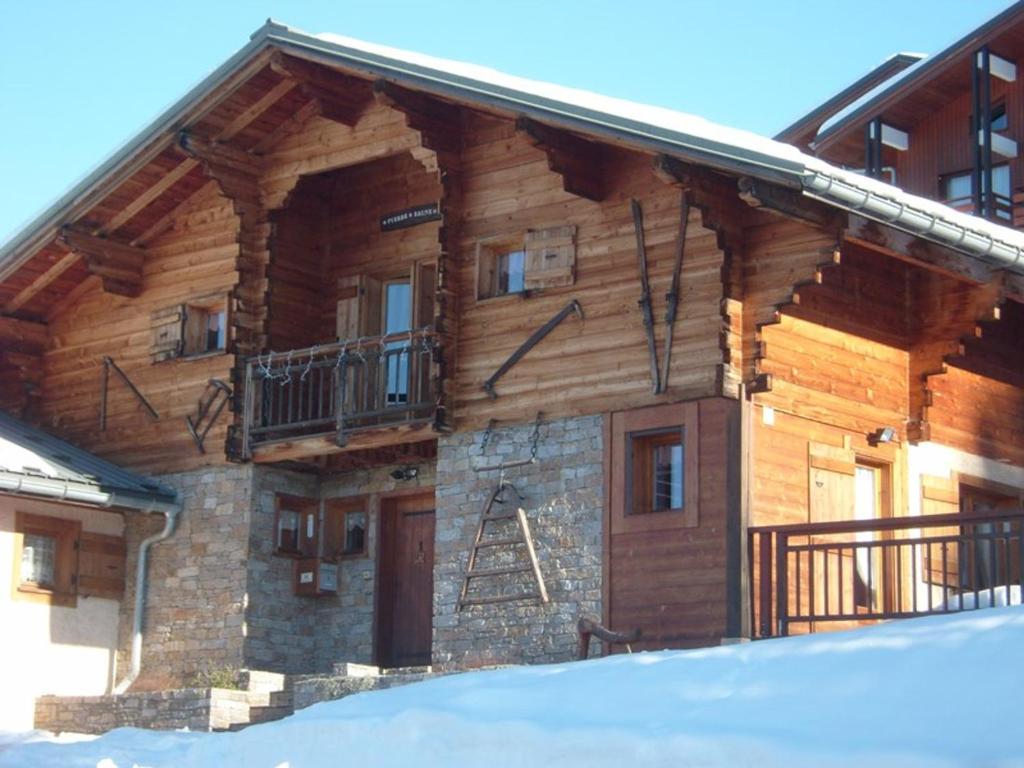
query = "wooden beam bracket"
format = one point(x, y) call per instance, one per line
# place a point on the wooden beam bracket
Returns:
point(787, 202)
point(579, 162)
point(438, 123)
point(117, 264)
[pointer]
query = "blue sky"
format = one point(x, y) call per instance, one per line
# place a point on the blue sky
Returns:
point(77, 79)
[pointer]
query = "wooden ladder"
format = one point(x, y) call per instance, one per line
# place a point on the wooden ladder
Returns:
point(483, 541)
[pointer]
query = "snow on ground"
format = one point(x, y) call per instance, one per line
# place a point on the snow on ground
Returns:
point(937, 691)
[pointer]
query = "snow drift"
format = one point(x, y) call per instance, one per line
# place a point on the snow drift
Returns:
point(933, 691)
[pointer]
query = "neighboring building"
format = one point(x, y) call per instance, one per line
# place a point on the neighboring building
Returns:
point(62, 560)
point(298, 297)
point(935, 126)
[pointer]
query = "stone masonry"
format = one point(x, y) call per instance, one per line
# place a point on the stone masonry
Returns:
point(563, 494)
point(297, 634)
point(196, 596)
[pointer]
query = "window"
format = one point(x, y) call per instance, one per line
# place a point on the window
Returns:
point(521, 262)
point(46, 559)
point(205, 329)
point(345, 527)
point(654, 460)
point(295, 526)
point(957, 190)
point(1000, 120)
point(657, 472)
point(199, 327)
point(397, 318)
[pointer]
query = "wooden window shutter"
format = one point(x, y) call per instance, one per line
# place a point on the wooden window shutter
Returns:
point(358, 307)
point(550, 257)
point(941, 496)
point(168, 332)
point(101, 566)
point(831, 486)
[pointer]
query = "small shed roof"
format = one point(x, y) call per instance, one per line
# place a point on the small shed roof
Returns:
point(34, 463)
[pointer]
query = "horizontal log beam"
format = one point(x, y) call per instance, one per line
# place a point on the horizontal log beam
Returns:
point(915, 250)
point(322, 445)
point(23, 336)
point(118, 265)
point(787, 202)
point(579, 162)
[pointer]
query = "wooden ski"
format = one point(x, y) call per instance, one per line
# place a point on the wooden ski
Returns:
point(672, 297)
point(645, 294)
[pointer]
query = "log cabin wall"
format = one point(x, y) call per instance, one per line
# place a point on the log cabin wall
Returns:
point(331, 230)
point(295, 292)
point(356, 245)
point(194, 259)
point(838, 361)
point(975, 402)
point(601, 363)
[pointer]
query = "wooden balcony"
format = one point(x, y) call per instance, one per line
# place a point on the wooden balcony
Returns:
point(824, 576)
point(357, 394)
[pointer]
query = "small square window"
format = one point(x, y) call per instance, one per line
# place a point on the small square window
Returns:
point(296, 526)
point(46, 559)
point(39, 560)
point(355, 533)
point(501, 266)
point(205, 329)
point(346, 523)
point(657, 472)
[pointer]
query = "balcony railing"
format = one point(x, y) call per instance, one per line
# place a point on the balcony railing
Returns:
point(1005, 209)
point(340, 388)
point(818, 576)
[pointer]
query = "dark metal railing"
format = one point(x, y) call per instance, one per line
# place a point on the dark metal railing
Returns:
point(1003, 207)
point(338, 388)
point(818, 576)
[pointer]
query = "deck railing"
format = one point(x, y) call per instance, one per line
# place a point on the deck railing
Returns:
point(339, 388)
point(818, 576)
point(1005, 209)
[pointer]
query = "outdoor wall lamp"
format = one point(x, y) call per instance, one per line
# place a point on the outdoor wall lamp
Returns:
point(405, 473)
point(882, 435)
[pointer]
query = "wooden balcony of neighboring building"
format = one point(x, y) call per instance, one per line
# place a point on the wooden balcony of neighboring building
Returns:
point(824, 576)
point(350, 395)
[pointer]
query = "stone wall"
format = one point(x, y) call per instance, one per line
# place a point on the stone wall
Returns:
point(279, 625)
point(195, 605)
point(303, 635)
point(198, 709)
point(563, 494)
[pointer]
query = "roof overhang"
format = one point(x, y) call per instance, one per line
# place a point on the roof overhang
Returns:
point(674, 134)
point(35, 464)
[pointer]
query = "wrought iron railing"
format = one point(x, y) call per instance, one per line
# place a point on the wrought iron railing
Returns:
point(811, 577)
point(339, 388)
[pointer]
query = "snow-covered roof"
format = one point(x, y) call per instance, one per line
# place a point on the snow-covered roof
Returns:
point(884, 86)
point(646, 127)
point(35, 463)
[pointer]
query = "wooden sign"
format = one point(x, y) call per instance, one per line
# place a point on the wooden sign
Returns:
point(410, 217)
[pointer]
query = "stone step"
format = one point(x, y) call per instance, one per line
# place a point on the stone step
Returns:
point(256, 680)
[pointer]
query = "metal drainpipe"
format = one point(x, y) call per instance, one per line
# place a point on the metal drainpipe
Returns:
point(170, 521)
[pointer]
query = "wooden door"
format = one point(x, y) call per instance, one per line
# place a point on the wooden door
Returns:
point(406, 581)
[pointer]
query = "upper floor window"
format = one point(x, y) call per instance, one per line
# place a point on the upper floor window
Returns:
point(526, 261)
point(1000, 119)
point(957, 190)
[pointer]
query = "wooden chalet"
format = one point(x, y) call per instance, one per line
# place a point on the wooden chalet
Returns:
point(442, 360)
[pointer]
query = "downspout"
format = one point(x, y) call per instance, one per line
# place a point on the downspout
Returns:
point(170, 521)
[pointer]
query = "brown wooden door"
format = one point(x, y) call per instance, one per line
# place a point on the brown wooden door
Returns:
point(406, 604)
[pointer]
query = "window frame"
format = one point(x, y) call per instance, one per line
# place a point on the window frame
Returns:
point(64, 591)
point(218, 306)
point(489, 252)
point(659, 419)
point(336, 514)
point(306, 545)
